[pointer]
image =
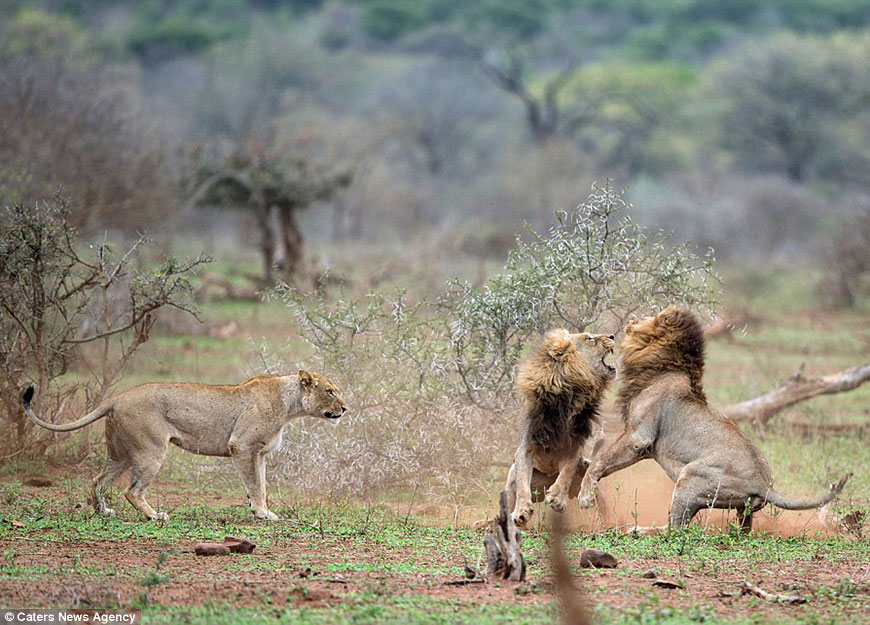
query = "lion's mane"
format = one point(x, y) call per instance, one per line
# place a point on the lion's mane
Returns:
point(674, 342)
point(562, 391)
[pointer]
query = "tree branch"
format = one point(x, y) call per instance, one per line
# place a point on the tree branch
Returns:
point(794, 390)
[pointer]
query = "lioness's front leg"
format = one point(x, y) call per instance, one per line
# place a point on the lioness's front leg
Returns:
point(629, 448)
point(557, 494)
point(523, 509)
point(252, 469)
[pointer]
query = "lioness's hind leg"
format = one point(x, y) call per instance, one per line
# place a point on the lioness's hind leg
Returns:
point(104, 480)
point(118, 462)
point(146, 463)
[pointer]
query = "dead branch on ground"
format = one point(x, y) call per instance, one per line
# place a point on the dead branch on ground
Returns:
point(504, 558)
point(796, 389)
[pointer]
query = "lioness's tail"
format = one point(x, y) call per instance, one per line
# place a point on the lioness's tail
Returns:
point(89, 418)
point(781, 501)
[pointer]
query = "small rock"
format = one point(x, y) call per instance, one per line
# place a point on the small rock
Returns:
point(595, 558)
point(651, 574)
point(39, 481)
point(211, 549)
point(239, 545)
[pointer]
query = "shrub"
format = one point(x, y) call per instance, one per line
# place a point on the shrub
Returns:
point(429, 380)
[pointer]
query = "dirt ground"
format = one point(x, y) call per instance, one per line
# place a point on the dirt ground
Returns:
point(312, 569)
point(194, 580)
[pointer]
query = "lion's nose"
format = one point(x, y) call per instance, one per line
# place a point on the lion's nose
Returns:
point(611, 337)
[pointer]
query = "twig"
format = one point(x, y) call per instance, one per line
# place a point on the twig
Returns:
point(746, 588)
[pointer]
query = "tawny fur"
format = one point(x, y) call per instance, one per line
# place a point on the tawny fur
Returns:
point(562, 382)
point(666, 417)
point(244, 422)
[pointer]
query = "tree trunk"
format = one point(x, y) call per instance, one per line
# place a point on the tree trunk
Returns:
point(291, 240)
point(267, 243)
point(796, 389)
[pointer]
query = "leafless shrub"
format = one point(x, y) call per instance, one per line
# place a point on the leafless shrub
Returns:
point(60, 306)
point(429, 381)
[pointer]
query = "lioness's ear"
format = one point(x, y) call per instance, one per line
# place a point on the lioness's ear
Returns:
point(305, 378)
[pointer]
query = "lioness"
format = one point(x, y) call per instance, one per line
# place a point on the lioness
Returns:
point(244, 422)
point(666, 417)
point(562, 382)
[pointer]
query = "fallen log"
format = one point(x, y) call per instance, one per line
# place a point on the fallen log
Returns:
point(796, 389)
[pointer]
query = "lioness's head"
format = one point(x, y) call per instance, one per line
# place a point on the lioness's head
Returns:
point(320, 397)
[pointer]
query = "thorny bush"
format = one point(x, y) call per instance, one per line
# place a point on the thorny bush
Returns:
point(430, 379)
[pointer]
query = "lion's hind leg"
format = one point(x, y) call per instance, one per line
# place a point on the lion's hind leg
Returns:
point(694, 490)
point(557, 494)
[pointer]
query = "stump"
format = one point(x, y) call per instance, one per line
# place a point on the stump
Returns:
point(504, 559)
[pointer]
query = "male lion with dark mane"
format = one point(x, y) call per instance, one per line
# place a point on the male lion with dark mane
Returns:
point(667, 418)
point(562, 382)
point(244, 422)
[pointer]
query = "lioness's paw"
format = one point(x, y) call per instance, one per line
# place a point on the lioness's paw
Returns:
point(522, 514)
point(160, 516)
point(266, 515)
point(556, 502)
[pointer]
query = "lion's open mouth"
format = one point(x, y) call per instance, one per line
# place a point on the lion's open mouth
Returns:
point(610, 368)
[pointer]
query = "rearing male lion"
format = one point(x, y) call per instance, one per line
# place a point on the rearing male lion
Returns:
point(666, 417)
point(562, 382)
point(244, 422)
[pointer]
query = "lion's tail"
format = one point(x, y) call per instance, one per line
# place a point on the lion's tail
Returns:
point(89, 418)
point(781, 501)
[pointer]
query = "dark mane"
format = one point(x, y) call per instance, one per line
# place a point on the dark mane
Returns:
point(675, 344)
point(555, 421)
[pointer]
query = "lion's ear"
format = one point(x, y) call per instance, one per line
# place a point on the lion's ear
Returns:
point(668, 316)
point(305, 378)
point(559, 344)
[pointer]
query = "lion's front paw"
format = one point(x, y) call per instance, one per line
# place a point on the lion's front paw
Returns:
point(108, 512)
point(522, 513)
point(160, 516)
point(266, 515)
point(557, 501)
point(586, 499)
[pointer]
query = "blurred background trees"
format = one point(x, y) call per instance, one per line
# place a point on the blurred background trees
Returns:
point(742, 124)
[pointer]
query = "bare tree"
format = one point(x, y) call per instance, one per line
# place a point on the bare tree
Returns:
point(265, 184)
point(543, 114)
point(59, 306)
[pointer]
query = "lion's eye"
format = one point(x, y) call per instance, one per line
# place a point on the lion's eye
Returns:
point(589, 338)
point(330, 392)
